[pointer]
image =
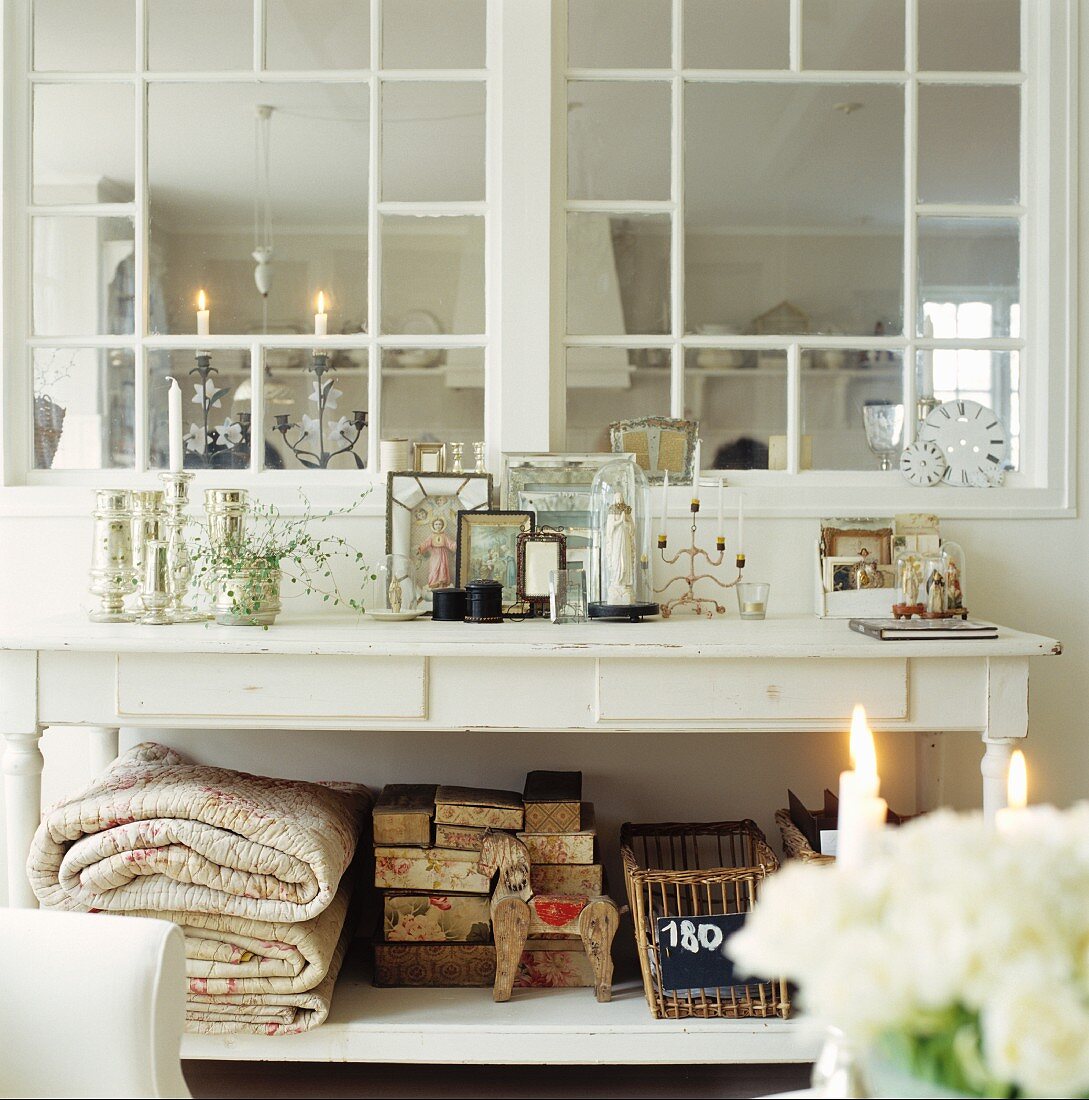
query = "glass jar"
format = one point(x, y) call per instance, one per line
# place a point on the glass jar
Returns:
point(620, 576)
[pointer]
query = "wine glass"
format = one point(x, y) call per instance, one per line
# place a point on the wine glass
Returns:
point(884, 423)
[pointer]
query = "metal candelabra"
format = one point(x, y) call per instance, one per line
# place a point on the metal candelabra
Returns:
point(316, 455)
point(210, 447)
point(689, 580)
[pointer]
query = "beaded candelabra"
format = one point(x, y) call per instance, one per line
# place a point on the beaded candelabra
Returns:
point(691, 578)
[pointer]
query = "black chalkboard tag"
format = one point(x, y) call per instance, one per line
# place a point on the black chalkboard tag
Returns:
point(692, 955)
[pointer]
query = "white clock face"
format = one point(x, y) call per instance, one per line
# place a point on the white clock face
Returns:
point(971, 439)
point(922, 463)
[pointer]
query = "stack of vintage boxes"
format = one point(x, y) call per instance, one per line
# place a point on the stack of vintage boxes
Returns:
point(436, 927)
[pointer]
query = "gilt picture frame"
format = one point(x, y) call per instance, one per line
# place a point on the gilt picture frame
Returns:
point(540, 552)
point(487, 548)
point(660, 444)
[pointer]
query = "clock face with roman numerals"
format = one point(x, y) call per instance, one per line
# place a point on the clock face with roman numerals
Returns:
point(972, 440)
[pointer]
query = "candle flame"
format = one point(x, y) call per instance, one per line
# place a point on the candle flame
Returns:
point(1017, 782)
point(863, 753)
point(201, 300)
point(321, 301)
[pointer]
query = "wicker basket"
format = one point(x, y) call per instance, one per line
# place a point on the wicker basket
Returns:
point(687, 870)
point(794, 843)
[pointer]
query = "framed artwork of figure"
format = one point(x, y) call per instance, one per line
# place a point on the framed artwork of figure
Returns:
point(487, 548)
point(422, 522)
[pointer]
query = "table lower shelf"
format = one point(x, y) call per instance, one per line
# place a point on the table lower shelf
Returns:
point(555, 1026)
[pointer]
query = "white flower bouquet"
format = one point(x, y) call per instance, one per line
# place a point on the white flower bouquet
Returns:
point(958, 955)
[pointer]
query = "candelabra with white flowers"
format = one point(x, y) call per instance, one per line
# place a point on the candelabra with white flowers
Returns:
point(215, 446)
point(317, 443)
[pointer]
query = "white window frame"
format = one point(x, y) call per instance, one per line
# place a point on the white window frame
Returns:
point(525, 262)
point(1045, 483)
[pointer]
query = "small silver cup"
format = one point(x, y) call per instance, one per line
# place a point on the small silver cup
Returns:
point(155, 591)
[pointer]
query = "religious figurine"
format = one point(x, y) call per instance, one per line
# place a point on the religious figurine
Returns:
point(866, 573)
point(954, 595)
point(935, 592)
point(396, 594)
point(620, 553)
point(909, 582)
point(439, 549)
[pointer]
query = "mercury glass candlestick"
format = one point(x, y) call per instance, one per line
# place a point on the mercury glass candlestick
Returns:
point(112, 574)
point(176, 496)
point(456, 460)
point(155, 590)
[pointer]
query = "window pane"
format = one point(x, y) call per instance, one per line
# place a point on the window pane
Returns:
point(317, 34)
point(84, 148)
point(617, 274)
point(434, 396)
point(84, 35)
point(742, 410)
point(618, 34)
point(433, 34)
point(970, 35)
point(609, 384)
point(217, 437)
point(84, 410)
point(837, 384)
point(618, 140)
point(803, 231)
point(83, 276)
point(202, 205)
point(433, 142)
point(969, 144)
point(737, 34)
point(433, 275)
point(990, 377)
point(967, 260)
point(313, 435)
point(853, 34)
point(200, 34)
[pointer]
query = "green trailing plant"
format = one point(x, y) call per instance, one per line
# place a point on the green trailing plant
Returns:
point(276, 548)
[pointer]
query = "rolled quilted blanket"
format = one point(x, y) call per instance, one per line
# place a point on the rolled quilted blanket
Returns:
point(157, 833)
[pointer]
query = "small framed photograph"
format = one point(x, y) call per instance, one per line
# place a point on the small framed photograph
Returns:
point(839, 572)
point(487, 548)
point(845, 537)
point(429, 458)
point(422, 522)
point(539, 554)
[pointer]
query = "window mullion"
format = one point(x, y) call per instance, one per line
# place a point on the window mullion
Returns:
point(374, 244)
point(259, 25)
point(911, 221)
point(795, 36)
point(794, 407)
point(141, 265)
point(676, 259)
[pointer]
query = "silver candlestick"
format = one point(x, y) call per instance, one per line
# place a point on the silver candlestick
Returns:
point(148, 524)
point(456, 452)
point(112, 574)
point(180, 563)
point(155, 592)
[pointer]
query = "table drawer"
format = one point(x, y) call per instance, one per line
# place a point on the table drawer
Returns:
point(271, 685)
point(711, 690)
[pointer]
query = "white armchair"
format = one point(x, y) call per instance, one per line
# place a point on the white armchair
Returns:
point(90, 1005)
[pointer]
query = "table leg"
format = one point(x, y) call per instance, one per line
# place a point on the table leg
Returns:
point(1007, 725)
point(103, 746)
point(22, 767)
point(994, 766)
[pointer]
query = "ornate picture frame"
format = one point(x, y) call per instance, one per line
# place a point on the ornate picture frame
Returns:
point(539, 553)
point(415, 503)
point(659, 444)
point(487, 547)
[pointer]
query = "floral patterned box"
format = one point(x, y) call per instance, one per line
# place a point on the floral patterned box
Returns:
point(435, 870)
point(567, 878)
point(545, 964)
point(466, 838)
point(563, 847)
point(436, 918)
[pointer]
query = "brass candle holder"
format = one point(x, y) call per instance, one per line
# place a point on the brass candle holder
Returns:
point(691, 578)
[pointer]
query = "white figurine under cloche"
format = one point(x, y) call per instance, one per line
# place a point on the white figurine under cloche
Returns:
point(620, 573)
point(394, 595)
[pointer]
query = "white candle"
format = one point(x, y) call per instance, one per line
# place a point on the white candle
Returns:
point(740, 523)
point(203, 314)
point(321, 318)
point(665, 504)
point(174, 420)
point(861, 812)
point(1006, 821)
point(721, 487)
point(926, 383)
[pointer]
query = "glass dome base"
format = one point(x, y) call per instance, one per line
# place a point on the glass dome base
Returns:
point(633, 612)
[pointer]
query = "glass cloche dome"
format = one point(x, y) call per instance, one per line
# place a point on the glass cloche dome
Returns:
point(620, 573)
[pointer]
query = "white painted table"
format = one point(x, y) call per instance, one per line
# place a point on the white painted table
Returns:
point(323, 673)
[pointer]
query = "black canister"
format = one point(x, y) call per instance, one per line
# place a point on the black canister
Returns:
point(448, 605)
point(484, 602)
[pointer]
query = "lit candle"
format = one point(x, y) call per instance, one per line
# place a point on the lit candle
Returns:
point(861, 812)
point(721, 486)
point(665, 504)
point(203, 314)
point(740, 524)
point(1006, 821)
point(926, 383)
point(321, 318)
point(174, 420)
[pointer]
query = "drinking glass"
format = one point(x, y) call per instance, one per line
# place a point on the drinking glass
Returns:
point(752, 599)
point(884, 423)
point(567, 595)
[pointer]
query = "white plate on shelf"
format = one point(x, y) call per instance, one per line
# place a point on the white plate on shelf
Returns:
point(397, 616)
